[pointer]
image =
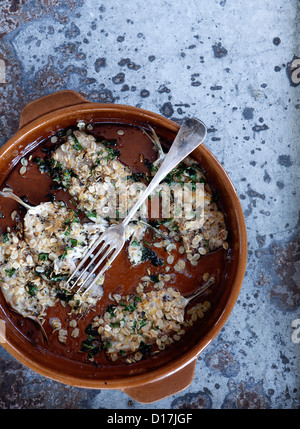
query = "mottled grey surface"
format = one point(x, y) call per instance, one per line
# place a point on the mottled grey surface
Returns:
point(226, 63)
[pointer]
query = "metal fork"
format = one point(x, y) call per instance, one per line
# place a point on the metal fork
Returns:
point(191, 134)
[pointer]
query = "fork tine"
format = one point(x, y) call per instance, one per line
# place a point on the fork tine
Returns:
point(102, 271)
point(106, 254)
point(85, 270)
point(88, 253)
point(99, 251)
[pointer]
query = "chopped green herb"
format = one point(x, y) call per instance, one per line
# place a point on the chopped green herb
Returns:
point(6, 238)
point(108, 143)
point(64, 254)
point(92, 344)
point(64, 295)
point(154, 278)
point(76, 145)
point(68, 230)
point(137, 177)
point(143, 323)
point(114, 324)
point(73, 242)
point(191, 171)
point(66, 178)
point(92, 332)
point(61, 133)
point(111, 310)
point(76, 218)
point(91, 214)
point(151, 255)
point(43, 256)
point(38, 161)
point(112, 153)
point(10, 271)
point(58, 277)
point(144, 348)
point(31, 288)
point(85, 346)
point(155, 223)
point(140, 324)
point(130, 307)
point(107, 344)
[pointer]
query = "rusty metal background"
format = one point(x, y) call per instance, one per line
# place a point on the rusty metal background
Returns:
point(233, 64)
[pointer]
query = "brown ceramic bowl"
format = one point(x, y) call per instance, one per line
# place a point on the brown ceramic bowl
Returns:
point(165, 376)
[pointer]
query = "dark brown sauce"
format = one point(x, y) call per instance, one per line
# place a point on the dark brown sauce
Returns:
point(122, 277)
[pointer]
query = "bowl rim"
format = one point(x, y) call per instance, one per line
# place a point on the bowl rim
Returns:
point(189, 356)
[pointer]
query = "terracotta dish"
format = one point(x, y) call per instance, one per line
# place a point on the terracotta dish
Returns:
point(150, 379)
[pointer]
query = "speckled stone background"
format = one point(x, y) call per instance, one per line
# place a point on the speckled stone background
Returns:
point(227, 62)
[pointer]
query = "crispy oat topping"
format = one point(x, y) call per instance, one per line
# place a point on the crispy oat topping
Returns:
point(35, 266)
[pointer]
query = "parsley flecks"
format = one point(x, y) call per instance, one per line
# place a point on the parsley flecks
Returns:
point(91, 214)
point(111, 310)
point(137, 325)
point(112, 153)
point(114, 324)
point(64, 295)
point(92, 346)
point(149, 254)
point(58, 277)
point(31, 288)
point(107, 344)
point(145, 348)
point(108, 143)
point(76, 145)
point(10, 271)
point(63, 256)
point(43, 256)
point(143, 323)
point(154, 278)
point(138, 177)
point(72, 219)
point(73, 242)
point(131, 306)
point(68, 230)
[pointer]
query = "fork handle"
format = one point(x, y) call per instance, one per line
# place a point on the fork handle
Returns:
point(190, 135)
